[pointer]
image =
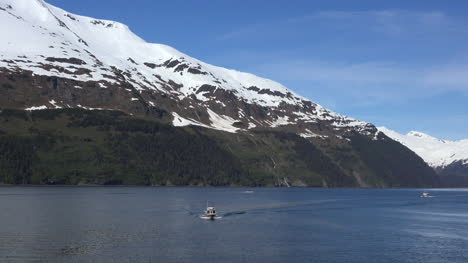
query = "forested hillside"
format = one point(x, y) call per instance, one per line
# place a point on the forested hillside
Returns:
point(76, 146)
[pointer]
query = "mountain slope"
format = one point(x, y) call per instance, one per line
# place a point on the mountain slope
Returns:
point(52, 61)
point(48, 41)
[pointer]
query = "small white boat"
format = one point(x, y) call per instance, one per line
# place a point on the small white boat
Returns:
point(425, 195)
point(210, 213)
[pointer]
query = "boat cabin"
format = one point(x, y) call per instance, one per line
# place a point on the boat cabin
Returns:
point(210, 211)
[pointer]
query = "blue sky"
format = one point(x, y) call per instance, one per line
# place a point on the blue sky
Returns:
point(399, 64)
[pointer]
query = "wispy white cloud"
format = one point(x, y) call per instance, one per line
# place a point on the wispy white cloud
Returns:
point(449, 77)
point(381, 21)
point(239, 32)
point(373, 82)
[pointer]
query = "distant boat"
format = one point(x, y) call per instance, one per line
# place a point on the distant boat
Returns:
point(425, 195)
point(210, 213)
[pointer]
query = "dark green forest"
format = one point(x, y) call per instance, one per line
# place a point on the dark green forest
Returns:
point(82, 147)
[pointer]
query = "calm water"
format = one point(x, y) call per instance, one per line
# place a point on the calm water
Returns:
point(131, 224)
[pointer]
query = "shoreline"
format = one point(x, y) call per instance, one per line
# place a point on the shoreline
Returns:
point(233, 187)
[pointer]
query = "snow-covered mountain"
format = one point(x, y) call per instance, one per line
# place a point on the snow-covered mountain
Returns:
point(438, 153)
point(68, 61)
point(52, 59)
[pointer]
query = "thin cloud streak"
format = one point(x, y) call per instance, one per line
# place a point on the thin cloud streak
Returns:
point(373, 83)
point(380, 21)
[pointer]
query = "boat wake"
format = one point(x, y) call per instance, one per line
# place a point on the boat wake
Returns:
point(268, 207)
point(211, 218)
point(234, 213)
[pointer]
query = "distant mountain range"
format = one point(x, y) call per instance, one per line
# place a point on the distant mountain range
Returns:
point(448, 158)
point(86, 101)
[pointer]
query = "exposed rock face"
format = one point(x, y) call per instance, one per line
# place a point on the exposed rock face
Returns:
point(51, 59)
point(457, 168)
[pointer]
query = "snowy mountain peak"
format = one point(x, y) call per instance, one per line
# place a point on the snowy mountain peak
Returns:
point(94, 54)
point(436, 152)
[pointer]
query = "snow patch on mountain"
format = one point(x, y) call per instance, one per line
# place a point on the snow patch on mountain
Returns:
point(309, 134)
point(281, 121)
point(436, 152)
point(43, 107)
point(180, 121)
point(54, 103)
point(221, 122)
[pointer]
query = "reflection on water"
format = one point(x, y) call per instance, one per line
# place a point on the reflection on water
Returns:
point(137, 224)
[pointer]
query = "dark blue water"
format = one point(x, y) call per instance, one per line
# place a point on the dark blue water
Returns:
point(131, 224)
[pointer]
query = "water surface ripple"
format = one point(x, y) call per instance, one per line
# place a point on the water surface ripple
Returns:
point(138, 224)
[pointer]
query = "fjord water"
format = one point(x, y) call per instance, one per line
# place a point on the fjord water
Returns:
point(138, 224)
